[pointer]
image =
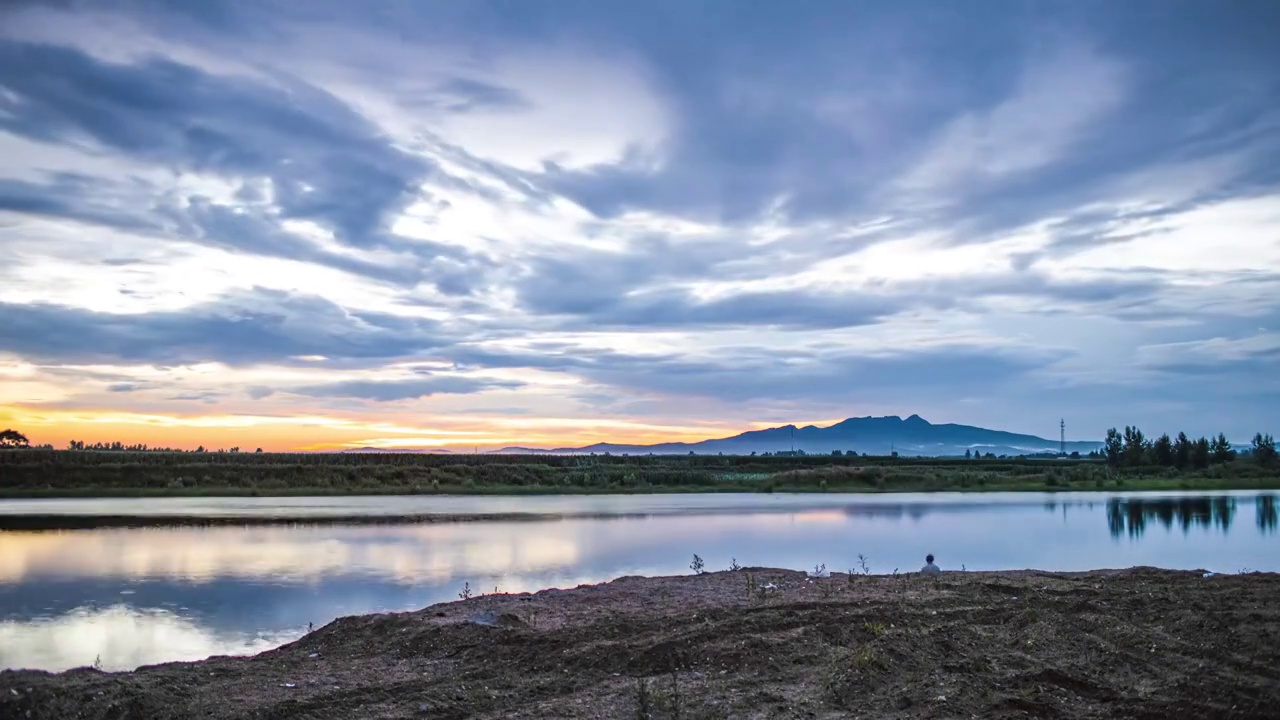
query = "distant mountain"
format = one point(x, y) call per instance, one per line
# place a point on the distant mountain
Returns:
point(871, 435)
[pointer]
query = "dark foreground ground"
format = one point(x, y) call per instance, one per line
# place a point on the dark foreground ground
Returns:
point(1139, 643)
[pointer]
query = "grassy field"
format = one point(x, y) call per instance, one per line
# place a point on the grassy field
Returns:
point(67, 473)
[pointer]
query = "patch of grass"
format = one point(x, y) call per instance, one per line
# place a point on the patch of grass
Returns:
point(866, 658)
point(875, 628)
point(844, 676)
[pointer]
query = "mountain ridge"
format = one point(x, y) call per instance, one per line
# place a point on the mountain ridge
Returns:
point(868, 434)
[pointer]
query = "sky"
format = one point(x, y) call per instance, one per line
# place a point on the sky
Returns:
point(555, 222)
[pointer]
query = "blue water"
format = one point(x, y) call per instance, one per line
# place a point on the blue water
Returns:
point(124, 597)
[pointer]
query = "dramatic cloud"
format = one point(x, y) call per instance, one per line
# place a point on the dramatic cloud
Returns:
point(483, 222)
point(257, 328)
point(388, 390)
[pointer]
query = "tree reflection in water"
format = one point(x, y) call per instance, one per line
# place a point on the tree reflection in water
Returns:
point(1266, 513)
point(1131, 515)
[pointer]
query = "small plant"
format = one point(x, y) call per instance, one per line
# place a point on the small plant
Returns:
point(466, 591)
point(818, 570)
point(875, 628)
point(864, 658)
point(97, 662)
point(825, 588)
point(963, 568)
point(895, 572)
point(751, 585)
point(652, 701)
point(862, 564)
point(697, 565)
point(644, 704)
point(734, 566)
point(852, 574)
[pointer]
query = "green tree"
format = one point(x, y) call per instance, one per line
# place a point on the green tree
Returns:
point(13, 439)
point(1182, 451)
point(1264, 450)
point(1221, 450)
point(968, 454)
point(1200, 454)
point(1162, 451)
point(1113, 448)
point(1135, 446)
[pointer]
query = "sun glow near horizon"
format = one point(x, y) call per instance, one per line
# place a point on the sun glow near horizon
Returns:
point(320, 433)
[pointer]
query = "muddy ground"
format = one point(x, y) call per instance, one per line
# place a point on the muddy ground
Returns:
point(1138, 643)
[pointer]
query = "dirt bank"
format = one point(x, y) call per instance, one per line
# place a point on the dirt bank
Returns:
point(1125, 644)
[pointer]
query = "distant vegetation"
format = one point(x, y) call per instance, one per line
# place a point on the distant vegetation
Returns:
point(1132, 449)
point(114, 469)
point(13, 439)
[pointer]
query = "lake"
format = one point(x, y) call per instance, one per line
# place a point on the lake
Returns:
point(157, 591)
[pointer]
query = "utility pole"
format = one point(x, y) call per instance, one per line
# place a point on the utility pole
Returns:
point(1062, 436)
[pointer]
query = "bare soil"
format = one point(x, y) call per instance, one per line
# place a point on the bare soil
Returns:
point(1138, 643)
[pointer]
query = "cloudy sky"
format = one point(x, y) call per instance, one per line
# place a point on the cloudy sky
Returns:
point(310, 225)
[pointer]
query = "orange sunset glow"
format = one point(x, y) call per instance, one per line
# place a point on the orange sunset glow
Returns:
point(318, 433)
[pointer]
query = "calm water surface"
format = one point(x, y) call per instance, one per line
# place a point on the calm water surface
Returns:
point(125, 597)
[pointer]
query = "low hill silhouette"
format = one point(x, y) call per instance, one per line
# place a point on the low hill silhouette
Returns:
point(871, 435)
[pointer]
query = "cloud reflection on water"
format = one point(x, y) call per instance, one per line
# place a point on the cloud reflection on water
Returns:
point(122, 638)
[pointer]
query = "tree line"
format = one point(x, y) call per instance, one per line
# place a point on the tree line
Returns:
point(141, 447)
point(1132, 448)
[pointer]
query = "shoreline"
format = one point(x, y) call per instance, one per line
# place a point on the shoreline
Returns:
point(756, 642)
point(42, 517)
point(1140, 484)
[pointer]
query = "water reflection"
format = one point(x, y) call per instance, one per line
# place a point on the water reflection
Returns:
point(122, 638)
point(144, 595)
point(1266, 513)
point(1131, 515)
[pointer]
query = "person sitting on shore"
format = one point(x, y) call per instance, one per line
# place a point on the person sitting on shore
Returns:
point(929, 568)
